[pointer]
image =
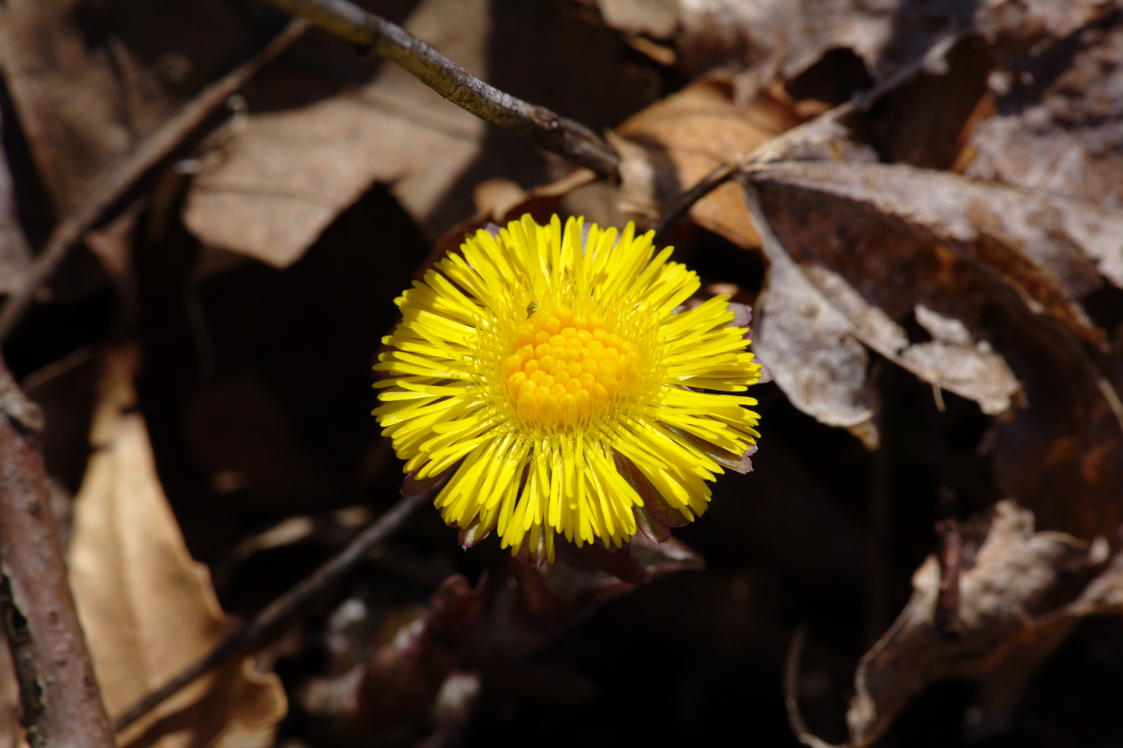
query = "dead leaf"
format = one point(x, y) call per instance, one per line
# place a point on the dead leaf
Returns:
point(1049, 249)
point(891, 263)
point(1069, 444)
point(311, 143)
point(656, 18)
point(1058, 121)
point(778, 39)
point(14, 253)
point(147, 608)
point(811, 352)
point(856, 275)
point(1019, 596)
point(1052, 249)
point(91, 80)
point(11, 732)
point(668, 147)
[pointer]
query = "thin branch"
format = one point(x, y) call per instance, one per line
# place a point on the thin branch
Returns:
point(60, 703)
point(281, 609)
point(142, 162)
point(551, 131)
point(715, 178)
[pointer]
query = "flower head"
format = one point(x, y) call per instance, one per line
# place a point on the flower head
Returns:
point(561, 376)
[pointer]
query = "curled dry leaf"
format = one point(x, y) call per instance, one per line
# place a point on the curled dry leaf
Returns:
point(988, 279)
point(1049, 248)
point(812, 317)
point(147, 608)
point(1019, 594)
point(1057, 122)
point(883, 258)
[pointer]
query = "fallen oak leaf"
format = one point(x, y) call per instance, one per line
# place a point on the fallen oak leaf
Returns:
point(147, 608)
point(993, 275)
point(1050, 248)
point(860, 235)
point(813, 326)
point(1019, 596)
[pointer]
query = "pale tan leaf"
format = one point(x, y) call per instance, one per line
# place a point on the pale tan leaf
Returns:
point(314, 137)
point(147, 608)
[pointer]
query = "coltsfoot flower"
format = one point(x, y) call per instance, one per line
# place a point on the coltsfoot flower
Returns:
point(559, 376)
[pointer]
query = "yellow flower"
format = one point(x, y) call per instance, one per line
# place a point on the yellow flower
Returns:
point(559, 370)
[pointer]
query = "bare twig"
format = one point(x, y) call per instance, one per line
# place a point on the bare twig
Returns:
point(945, 616)
point(250, 634)
point(551, 131)
point(685, 201)
point(59, 698)
point(149, 155)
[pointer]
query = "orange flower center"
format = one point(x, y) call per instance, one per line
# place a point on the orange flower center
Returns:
point(566, 369)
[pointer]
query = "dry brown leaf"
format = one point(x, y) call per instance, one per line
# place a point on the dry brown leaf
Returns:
point(11, 732)
point(810, 351)
point(668, 147)
point(14, 253)
point(148, 609)
point(90, 80)
point(273, 180)
point(778, 39)
point(1020, 593)
point(1058, 122)
point(876, 272)
point(317, 136)
point(1050, 248)
point(1069, 444)
point(890, 245)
